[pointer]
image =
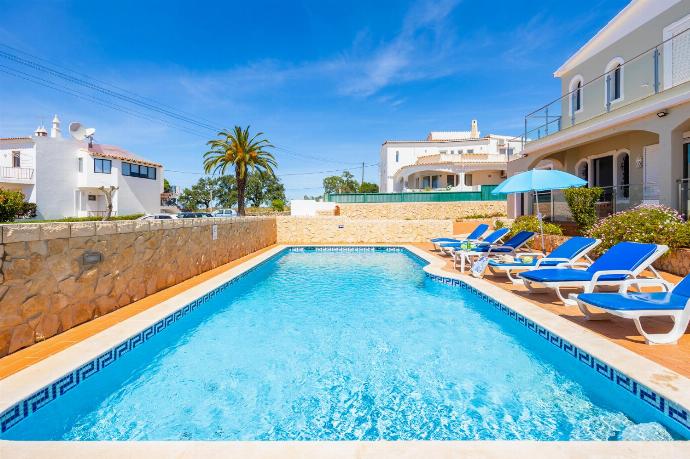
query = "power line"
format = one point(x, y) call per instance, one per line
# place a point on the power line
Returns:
point(135, 99)
point(290, 174)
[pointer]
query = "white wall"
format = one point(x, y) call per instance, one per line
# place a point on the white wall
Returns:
point(56, 176)
point(309, 207)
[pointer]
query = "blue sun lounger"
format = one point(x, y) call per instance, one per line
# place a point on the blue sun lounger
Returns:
point(510, 247)
point(623, 261)
point(473, 236)
point(490, 239)
point(569, 252)
point(674, 302)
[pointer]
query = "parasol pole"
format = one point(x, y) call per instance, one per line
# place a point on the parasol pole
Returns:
point(539, 217)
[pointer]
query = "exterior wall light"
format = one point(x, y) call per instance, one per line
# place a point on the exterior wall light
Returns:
point(662, 113)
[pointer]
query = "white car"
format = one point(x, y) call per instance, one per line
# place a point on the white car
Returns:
point(158, 217)
point(225, 213)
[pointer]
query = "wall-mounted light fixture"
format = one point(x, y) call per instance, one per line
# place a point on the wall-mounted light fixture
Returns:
point(638, 162)
point(662, 113)
point(91, 258)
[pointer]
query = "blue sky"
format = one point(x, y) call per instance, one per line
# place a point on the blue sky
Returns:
point(326, 81)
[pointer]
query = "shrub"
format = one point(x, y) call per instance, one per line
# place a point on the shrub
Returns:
point(582, 203)
point(278, 205)
point(531, 223)
point(29, 210)
point(11, 204)
point(646, 223)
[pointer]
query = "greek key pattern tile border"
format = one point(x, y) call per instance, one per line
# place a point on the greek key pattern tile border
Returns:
point(675, 413)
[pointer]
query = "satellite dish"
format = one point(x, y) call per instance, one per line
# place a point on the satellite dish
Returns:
point(80, 132)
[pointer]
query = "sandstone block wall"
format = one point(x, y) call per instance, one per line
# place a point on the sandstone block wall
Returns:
point(424, 210)
point(47, 286)
point(315, 230)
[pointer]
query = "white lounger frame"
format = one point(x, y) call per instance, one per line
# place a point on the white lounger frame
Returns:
point(464, 256)
point(680, 318)
point(508, 270)
point(594, 283)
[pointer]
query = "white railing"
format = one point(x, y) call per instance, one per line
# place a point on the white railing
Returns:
point(19, 173)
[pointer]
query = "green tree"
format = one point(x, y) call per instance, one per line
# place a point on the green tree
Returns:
point(200, 194)
point(344, 183)
point(11, 204)
point(225, 191)
point(244, 153)
point(367, 187)
point(262, 189)
point(166, 186)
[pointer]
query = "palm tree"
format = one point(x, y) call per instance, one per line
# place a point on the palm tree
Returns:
point(241, 151)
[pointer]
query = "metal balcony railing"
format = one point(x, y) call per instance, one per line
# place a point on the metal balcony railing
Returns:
point(635, 79)
point(684, 197)
point(22, 173)
point(554, 207)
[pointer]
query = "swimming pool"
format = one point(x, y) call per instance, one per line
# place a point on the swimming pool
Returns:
point(343, 344)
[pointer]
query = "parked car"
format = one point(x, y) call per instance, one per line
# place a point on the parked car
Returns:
point(225, 213)
point(194, 215)
point(158, 217)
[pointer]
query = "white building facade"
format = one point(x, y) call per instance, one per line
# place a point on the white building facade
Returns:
point(446, 161)
point(62, 175)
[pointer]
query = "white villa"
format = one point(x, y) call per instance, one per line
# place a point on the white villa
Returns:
point(62, 175)
point(623, 119)
point(447, 161)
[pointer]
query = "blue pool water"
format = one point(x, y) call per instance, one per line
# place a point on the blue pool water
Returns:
point(343, 346)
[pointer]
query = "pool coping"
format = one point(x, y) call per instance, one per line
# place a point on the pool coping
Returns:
point(26, 382)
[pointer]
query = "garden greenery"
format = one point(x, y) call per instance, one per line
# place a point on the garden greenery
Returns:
point(582, 203)
point(11, 204)
point(645, 223)
point(531, 223)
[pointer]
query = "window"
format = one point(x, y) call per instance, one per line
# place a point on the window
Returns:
point(16, 159)
point(80, 164)
point(137, 170)
point(397, 156)
point(470, 150)
point(468, 179)
point(614, 81)
point(575, 90)
point(101, 166)
point(92, 197)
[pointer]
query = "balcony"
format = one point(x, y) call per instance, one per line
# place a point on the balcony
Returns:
point(626, 84)
point(16, 174)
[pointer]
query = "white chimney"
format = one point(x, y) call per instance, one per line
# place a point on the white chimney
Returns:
point(41, 131)
point(474, 131)
point(55, 130)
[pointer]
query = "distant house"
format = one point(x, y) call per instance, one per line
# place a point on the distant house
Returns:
point(63, 175)
point(623, 119)
point(446, 161)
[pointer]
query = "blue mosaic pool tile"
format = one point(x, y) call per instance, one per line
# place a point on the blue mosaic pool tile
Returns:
point(674, 412)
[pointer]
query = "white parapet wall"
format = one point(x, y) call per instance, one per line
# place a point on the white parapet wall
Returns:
point(310, 208)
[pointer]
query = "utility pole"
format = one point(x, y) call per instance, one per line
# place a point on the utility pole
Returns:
point(360, 183)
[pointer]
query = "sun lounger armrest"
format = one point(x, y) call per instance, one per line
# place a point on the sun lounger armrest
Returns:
point(573, 265)
point(598, 274)
point(531, 254)
point(561, 261)
point(655, 282)
point(499, 247)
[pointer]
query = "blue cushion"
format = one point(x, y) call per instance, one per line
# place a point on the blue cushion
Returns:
point(478, 231)
point(557, 275)
point(517, 263)
point(623, 256)
point(572, 247)
point(444, 239)
point(485, 248)
point(519, 239)
point(653, 301)
point(496, 235)
point(683, 287)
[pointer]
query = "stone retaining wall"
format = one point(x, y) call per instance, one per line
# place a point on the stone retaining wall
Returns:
point(47, 284)
point(315, 230)
point(424, 210)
